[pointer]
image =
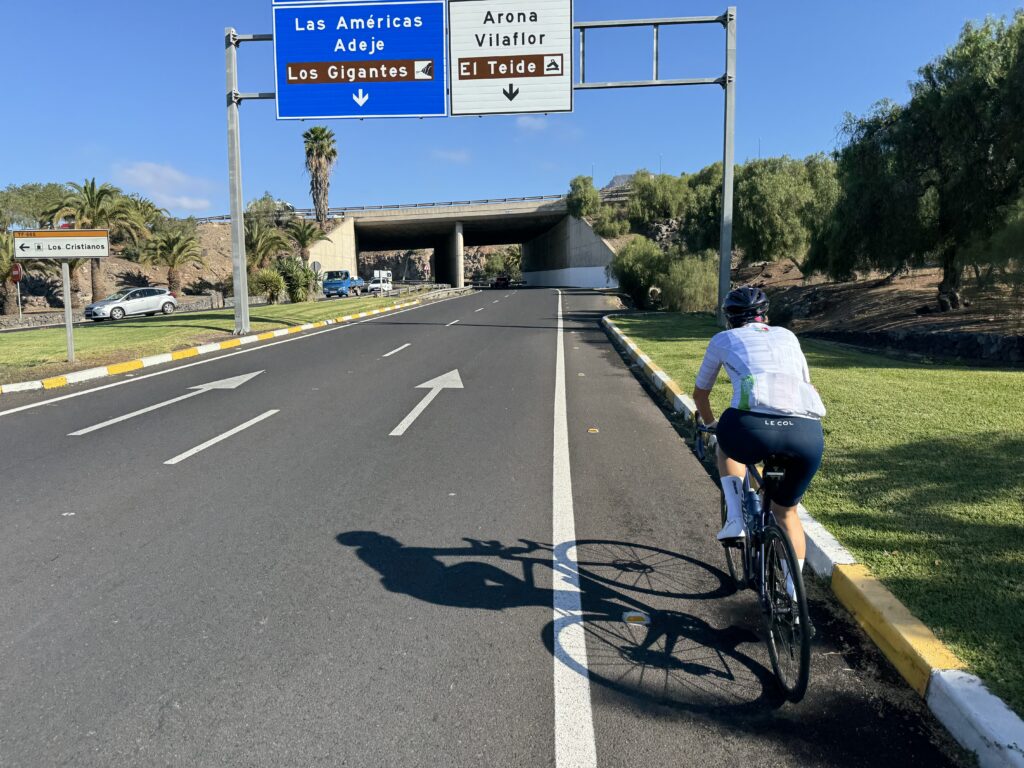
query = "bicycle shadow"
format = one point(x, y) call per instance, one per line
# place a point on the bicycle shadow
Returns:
point(661, 657)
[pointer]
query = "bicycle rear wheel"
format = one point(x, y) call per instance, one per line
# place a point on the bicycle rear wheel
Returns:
point(788, 624)
point(733, 553)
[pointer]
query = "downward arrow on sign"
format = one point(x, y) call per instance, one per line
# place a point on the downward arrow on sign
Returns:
point(360, 98)
point(511, 92)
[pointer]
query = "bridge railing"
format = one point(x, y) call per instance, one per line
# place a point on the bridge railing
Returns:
point(616, 195)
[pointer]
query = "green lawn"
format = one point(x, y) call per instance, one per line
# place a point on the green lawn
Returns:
point(923, 480)
point(29, 355)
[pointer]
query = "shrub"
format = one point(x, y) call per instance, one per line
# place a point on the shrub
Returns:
point(691, 284)
point(300, 281)
point(583, 199)
point(610, 222)
point(267, 282)
point(657, 198)
point(638, 267)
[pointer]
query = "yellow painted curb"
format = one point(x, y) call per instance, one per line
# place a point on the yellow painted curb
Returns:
point(904, 639)
point(672, 387)
point(180, 354)
point(131, 365)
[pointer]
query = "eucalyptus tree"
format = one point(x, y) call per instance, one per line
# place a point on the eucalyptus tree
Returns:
point(321, 155)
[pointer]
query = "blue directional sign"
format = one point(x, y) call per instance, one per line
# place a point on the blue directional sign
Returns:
point(360, 59)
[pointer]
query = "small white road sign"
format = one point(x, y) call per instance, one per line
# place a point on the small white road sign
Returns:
point(61, 244)
point(510, 57)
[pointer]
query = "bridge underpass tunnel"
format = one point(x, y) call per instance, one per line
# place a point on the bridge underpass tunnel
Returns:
point(557, 248)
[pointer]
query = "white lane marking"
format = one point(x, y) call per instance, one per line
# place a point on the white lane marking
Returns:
point(495, 301)
point(450, 380)
point(203, 446)
point(396, 351)
point(218, 358)
point(233, 383)
point(453, 322)
point(574, 720)
point(479, 310)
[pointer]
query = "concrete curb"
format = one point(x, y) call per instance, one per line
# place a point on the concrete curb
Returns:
point(89, 374)
point(979, 720)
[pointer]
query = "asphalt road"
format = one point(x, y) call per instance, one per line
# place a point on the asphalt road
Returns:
point(312, 590)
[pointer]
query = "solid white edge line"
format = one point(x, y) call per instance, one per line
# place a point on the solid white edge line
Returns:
point(396, 351)
point(137, 379)
point(574, 719)
point(203, 446)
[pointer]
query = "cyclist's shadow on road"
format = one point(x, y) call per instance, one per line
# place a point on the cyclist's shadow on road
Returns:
point(663, 657)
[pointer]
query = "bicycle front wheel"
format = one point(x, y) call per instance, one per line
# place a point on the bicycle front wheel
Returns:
point(788, 624)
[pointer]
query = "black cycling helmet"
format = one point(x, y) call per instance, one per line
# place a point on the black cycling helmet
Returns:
point(745, 304)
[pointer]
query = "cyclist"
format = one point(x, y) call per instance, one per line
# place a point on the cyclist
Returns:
point(775, 410)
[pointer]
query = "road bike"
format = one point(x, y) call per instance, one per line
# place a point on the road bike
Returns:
point(761, 561)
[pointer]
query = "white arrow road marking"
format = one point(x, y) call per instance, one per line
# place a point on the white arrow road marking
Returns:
point(233, 383)
point(450, 380)
point(360, 98)
point(396, 351)
point(203, 446)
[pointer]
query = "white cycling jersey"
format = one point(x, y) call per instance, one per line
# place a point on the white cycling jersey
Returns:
point(767, 369)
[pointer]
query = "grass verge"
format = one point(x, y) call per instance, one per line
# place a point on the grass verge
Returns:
point(923, 480)
point(29, 355)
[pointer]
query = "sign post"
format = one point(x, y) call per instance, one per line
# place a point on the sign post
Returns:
point(360, 59)
point(62, 245)
point(511, 58)
point(16, 274)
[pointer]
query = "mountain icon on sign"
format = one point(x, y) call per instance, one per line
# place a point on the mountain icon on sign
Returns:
point(553, 65)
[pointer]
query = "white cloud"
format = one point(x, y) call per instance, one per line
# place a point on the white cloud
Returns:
point(455, 156)
point(531, 123)
point(166, 185)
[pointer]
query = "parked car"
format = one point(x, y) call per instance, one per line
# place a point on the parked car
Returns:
point(502, 281)
point(342, 283)
point(132, 301)
point(378, 285)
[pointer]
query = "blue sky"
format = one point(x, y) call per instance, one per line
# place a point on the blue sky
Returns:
point(133, 92)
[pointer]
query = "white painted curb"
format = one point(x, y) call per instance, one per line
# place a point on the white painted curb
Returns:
point(977, 719)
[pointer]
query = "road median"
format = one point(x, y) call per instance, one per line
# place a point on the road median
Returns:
point(978, 719)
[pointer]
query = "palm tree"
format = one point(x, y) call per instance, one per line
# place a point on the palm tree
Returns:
point(174, 250)
point(263, 243)
point(321, 155)
point(8, 292)
point(91, 205)
point(306, 234)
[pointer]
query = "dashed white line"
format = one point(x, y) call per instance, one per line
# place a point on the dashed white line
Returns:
point(479, 310)
point(203, 446)
point(495, 301)
point(453, 322)
point(396, 351)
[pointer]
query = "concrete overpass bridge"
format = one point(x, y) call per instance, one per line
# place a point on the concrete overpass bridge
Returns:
point(558, 249)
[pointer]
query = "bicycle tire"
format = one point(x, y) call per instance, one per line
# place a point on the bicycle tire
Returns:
point(733, 553)
point(789, 641)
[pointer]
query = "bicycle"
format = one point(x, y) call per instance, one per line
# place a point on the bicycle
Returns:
point(756, 562)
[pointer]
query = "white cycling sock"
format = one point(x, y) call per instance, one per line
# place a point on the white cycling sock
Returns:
point(732, 487)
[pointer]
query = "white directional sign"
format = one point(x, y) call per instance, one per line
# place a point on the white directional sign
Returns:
point(510, 56)
point(61, 244)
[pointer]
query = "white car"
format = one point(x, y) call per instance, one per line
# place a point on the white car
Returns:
point(379, 285)
point(132, 301)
